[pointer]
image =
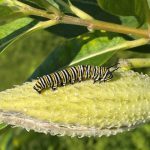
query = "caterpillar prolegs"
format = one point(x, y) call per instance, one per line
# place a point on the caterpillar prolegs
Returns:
point(75, 74)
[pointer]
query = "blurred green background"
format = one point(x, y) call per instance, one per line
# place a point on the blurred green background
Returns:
point(17, 64)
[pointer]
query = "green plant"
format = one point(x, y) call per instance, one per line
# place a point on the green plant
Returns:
point(89, 39)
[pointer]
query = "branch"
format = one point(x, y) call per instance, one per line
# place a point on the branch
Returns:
point(101, 25)
point(91, 24)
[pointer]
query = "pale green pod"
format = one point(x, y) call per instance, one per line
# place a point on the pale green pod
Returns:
point(82, 109)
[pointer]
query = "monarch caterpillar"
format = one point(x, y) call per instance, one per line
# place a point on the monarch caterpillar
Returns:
point(75, 74)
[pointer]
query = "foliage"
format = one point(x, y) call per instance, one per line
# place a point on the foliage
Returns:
point(136, 8)
point(2, 126)
point(82, 44)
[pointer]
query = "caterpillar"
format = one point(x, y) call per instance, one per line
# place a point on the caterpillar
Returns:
point(74, 74)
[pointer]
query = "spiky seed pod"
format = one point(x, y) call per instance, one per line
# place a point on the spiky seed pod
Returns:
point(82, 109)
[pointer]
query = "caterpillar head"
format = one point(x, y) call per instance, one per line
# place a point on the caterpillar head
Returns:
point(114, 67)
point(109, 73)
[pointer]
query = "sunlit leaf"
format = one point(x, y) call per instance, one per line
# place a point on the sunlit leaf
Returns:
point(136, 8)
point(2, 126)
point(91, 8)
point(44, 3)
point(8, 14)
point(75, 50)
point(17, 29)
point(9, 32)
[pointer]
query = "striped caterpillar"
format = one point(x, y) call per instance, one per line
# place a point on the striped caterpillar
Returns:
point(74, 74)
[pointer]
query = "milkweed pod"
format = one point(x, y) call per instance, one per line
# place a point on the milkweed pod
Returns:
point(81, 109)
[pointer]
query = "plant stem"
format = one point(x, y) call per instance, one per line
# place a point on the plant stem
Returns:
point(29, 10)
point(135, 63)
point(44, 24)
point(91, 24)
point(96, 24)
point(101, 25)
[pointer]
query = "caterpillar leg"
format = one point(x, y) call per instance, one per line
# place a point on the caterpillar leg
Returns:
point(94, 81)
point(72, 81)
point(54, 88)
point(80, 79)
point(100, 81)
point(63, 84)
point(39, 92)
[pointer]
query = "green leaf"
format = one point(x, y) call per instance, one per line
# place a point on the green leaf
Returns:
point(45, 3)
point(69, 31)
point(11, 31)
point(81, 50)
point(6, 138)
point(78, 12)
point(95, 51)
point(136, 8)
point(2, 126)
point(7, 14)
point(49, 5)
